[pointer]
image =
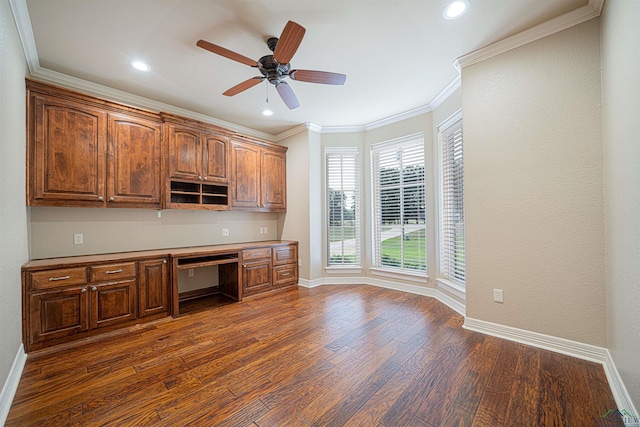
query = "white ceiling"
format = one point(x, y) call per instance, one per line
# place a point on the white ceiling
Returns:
point(398, 55)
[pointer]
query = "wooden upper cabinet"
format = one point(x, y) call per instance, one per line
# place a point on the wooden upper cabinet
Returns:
point(66, 151)
point(245, 160)
point(215, 158)
point(274, 185)
point(185, 153)
point(133, 161)
point(259, 177)
point(195, 154)
point(83, 151)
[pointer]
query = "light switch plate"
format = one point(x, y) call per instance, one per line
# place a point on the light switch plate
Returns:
point(78, 239)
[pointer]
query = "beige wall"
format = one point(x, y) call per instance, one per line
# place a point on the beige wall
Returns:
point(534, 186)
point(620, 45)
point(13, 214)
point(295, 224)
point(119, 230)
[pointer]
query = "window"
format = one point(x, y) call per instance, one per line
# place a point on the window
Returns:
point(452, 233)
point(399, 231)
point(343, 206)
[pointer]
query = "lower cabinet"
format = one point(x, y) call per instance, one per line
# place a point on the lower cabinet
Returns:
point(268, 268)
point(153, 287)
point(64, 304)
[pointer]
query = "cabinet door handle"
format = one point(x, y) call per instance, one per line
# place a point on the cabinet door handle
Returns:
point(83, 290)
point(112, 199)
point(205, 178)
point(164, 261)
point(93, 288)
point(54, 279)
point(100, 198)
point(200, 177)
point(113, 271)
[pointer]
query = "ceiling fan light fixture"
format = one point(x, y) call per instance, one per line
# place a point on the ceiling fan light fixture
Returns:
point(455, 9)
point(267, 112)
point(139, 65)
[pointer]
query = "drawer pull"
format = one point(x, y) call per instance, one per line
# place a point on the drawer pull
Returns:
point(113, 271)
point(93, 288)
point(84, 290)
point(286, 274)
point(54, 279)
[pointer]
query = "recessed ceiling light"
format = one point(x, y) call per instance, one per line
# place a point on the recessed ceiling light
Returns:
point(456, 9)
point(139, 65)
point(267, 112)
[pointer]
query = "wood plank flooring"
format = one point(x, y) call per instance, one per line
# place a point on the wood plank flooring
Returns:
point(328, 356)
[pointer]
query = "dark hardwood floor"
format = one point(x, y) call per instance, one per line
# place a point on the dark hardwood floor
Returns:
point(333, 355)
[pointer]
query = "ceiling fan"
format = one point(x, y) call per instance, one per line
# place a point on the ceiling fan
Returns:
point(274, 68)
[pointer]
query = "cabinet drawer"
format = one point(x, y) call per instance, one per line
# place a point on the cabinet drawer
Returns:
point(285, 275)
point(285, 255)
point(103, 273)
point(61, 277)
point(258, 253)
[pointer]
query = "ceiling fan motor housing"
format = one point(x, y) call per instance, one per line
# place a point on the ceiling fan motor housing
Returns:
point(272, 70)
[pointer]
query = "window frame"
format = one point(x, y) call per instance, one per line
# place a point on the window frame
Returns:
point(453, 285)
point(377, 268)
point(354, 152)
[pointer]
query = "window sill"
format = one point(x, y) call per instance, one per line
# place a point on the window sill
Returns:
point(355, 269)
point(451, 287)
point(413, 277)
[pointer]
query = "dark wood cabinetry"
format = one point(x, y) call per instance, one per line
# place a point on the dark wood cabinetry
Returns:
point(269, 268)
point(66, 151)
point(65, 299)
point(80, 298)
point(86, 152)
point(198, 165)
point(259, 177)
point(133, 161)
point(154, 287)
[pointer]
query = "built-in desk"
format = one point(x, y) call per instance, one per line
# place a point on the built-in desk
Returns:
point(69, 298)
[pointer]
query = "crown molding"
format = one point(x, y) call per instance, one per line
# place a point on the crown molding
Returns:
point(303, 127)
point(447, 92)
point(25, 32)
point(552, 26)
point(343, 129)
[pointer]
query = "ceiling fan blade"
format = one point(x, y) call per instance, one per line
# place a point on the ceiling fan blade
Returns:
point(226, 53)
point(288, 42)
point(287, 95)
point(323, 77)
point(241, 87)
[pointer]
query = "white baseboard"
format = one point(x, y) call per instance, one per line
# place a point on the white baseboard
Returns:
point(560, 345)
point(388, 284)
point(11, 384)
point(619, 391)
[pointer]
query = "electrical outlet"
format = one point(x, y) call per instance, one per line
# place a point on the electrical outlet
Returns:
point(225, 231)
point(159, 214)
point(498, 295)
point(191, 272)
point(261, 230)
point(78, 239)
point(266, 230)
point(299, 263)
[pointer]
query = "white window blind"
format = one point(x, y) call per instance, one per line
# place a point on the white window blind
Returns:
point(343, 206)
point(452, 232)
point(399, 230)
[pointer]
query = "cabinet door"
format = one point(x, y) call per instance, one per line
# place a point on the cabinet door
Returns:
point(256, 277)
point(113, 303)
point(67, 145)
point(215, 157)
point(245, 160)
point(274, 185)
point(58, 314)
point(185, 153)
point(154, 287)
point(133, 161)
